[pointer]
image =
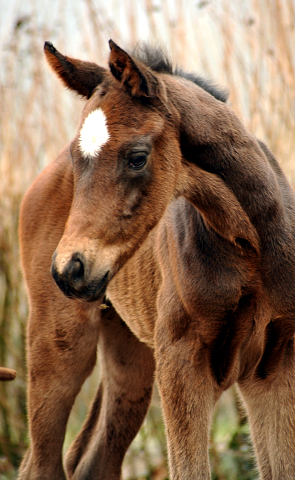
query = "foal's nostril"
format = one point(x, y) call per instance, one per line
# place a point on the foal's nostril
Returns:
point(72, 276)
point(76, 270)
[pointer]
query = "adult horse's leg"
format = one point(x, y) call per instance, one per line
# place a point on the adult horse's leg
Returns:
point(270, 405)
point(120, 405)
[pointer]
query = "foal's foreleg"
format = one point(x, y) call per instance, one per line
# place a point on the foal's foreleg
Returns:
point(120, 405)
point(270, 404)
point(62, 340)
point(188, 395)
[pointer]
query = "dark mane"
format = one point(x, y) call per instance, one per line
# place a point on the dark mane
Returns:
point(158, 60)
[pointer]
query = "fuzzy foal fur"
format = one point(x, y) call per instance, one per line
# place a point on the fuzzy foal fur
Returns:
point(185, 225)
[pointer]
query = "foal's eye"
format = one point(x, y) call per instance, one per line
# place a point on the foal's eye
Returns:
point(137, 160)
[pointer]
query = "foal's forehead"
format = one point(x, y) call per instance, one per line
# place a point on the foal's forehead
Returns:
point(107, 118)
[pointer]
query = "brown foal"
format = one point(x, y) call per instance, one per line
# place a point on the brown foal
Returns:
point(169, 212)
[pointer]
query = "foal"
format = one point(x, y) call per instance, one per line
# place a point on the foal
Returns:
point(168, 211)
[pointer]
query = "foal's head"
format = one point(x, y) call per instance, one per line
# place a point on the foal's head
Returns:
point(127, 165)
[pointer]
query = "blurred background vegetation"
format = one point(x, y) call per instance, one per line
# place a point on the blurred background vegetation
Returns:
point(247, 47)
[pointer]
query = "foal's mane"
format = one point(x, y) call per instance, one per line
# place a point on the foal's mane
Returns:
point(158, 60)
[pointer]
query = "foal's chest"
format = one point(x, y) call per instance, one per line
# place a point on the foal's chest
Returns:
point(133, 292)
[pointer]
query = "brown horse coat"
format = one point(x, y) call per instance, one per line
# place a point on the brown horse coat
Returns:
point(166, 209)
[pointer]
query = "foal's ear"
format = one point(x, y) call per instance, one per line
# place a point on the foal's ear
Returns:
point(82, 77)
point(139, 80)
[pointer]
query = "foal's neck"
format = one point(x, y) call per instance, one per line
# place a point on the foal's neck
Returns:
point(227, 176)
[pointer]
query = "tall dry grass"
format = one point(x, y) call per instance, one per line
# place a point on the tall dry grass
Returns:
point(245, 46)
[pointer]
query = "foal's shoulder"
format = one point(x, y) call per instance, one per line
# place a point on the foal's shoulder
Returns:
point(48, 200)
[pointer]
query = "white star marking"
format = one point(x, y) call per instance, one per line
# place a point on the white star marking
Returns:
point(94, 134)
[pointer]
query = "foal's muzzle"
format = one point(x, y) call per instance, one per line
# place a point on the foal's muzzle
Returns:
point(75, 279)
